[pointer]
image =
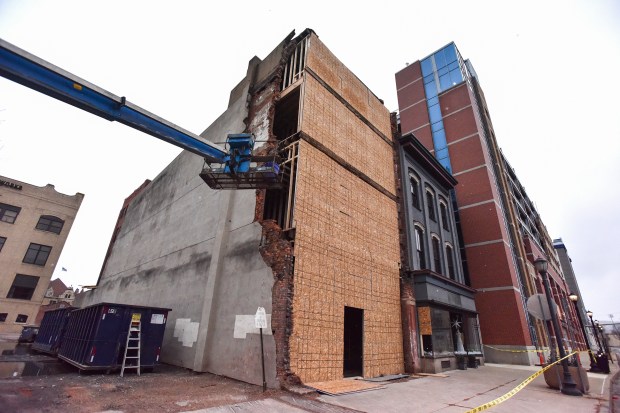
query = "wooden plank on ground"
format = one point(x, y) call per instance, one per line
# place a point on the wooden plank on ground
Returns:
point(432, 374)
point(344, 386)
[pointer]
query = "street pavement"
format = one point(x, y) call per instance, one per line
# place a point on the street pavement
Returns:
point(462, 390)
point(468, 389)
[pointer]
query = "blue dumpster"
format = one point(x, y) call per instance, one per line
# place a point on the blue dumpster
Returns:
point(52, 330)
point(96, 335)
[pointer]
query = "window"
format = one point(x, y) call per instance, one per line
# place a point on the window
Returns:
point(23, 287)
point(50, 223)
point(37, 254)
point(3, 317)
point(8, 213)
point(2, 241)
point(414, 184)
point(450, 258)
point(419, 245)
point(436, 256)
point(430, 201)
point(443, 210)
point(21, 318)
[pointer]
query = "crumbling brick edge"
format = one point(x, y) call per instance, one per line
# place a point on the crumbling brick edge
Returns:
point(276, 251)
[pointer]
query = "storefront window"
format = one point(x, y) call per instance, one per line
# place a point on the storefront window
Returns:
point(471, 331)
point(446, 333)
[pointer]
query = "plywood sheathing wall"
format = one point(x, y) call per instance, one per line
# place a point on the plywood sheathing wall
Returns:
point(347, 241)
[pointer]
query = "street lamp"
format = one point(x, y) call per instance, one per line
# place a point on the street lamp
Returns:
point(593, 366)
point(568, 386)
point(603, 362)
point(605, 346)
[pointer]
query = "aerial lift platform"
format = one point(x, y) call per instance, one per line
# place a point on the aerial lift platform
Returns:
point(231, 167)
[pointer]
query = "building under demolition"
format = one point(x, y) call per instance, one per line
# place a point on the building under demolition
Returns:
point(319, 251)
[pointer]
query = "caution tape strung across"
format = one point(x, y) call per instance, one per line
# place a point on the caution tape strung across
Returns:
point(538, 350)
point(517, 389)
point(518, 351)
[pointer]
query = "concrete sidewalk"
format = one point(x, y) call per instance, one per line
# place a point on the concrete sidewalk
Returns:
point(467, 389)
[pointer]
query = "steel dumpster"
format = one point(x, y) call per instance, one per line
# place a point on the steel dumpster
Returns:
point(52, 330)
point(96, 335)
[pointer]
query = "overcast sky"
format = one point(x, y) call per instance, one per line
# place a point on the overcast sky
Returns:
point(549, 70)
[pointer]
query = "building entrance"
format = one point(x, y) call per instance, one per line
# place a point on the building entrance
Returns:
point(353, 342)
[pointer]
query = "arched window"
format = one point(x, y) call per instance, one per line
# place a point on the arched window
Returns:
point(430, 204)
point(450, 259)
point(50, 223)
point(419, 246)
point(414, 188)
point(436, 255)
point(443, 212)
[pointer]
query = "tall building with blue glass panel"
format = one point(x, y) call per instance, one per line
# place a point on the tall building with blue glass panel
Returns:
point(442, 105)
point(441, 71)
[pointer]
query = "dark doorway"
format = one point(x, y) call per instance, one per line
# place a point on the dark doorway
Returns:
point(353, 342)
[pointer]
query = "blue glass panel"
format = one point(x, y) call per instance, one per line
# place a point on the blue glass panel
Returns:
point(439, 139)
point(437, 126)
point(445, 162)
point(453, 65)
point(445, 82)
point(440, 60)
point(433, 101)
point(429, 78)
point(434, 113)
point(430, 89)
point(456, 76)
point(442, 71)
point(441, 154)
point(450, 53)
point(427, 66)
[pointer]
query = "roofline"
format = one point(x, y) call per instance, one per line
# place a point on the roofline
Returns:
point(430, 54)
point(413, 146)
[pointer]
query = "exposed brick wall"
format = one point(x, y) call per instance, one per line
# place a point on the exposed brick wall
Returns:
point(346, 254)
point(278, 254)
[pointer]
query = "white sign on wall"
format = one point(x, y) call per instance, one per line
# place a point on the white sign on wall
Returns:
point(260, 319)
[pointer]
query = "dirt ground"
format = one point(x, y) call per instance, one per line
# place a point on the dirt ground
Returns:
point(35, 382)
point(166, 389)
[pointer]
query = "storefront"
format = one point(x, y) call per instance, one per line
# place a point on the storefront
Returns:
point(448, 329)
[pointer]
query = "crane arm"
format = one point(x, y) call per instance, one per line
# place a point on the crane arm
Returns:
point(24, 68)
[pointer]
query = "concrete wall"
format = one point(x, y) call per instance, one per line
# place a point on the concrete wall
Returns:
point(195, 250)
point(34, 202)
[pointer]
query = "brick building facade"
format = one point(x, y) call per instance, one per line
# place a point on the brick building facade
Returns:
point(442, 104)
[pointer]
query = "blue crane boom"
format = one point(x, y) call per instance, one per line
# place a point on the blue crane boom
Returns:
point(29, 70)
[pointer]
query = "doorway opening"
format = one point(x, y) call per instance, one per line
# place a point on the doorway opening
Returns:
point(353, 342)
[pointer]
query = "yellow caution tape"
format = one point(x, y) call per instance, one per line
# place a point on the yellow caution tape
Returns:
point(516, 389)
point(517, 351)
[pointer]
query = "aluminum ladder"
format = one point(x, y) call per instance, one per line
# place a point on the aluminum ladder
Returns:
point(132, 346)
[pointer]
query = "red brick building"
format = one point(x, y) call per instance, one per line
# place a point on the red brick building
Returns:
point(442, 104)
